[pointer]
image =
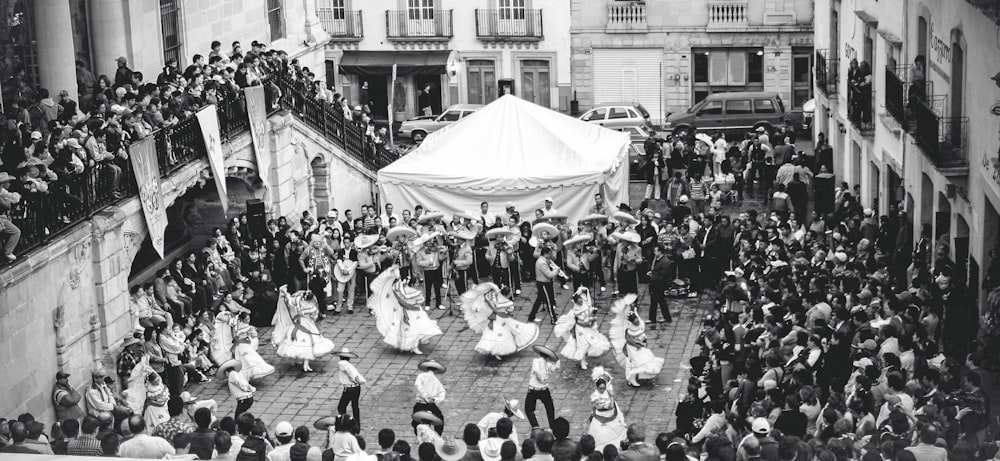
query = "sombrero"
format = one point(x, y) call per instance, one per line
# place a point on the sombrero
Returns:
point(625, 218)
point(426, 238)
point(345, 352)
point(231, 364)
point(426, 417)
point(512, 405)
point(704, 138)
point(555, 215)
point(429, 216)
point(432, 365)
point(450, 449)
point(349, 266)
point(325, 423)
point(594, 217)
point(186, 397)
point(537, 230)
point(627, 236)
point(466, 215)
point(546, 353)
point(464, 234)
point(365, 241)
point(400, 231)
point(582, 238)
point(499, 232)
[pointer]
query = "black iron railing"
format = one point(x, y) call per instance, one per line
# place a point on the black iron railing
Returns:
point(417, 23)
point(861, 110)
point(943, 139)
point(826, 73)
point(902, 90)
point(895, 96)
point(70, 201)
point(341, 24)
point(509, 24)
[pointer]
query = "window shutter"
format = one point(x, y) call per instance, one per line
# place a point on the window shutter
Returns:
point(718, 68)
point(737, 69)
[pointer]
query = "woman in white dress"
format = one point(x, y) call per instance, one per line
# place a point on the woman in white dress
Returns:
point(576, 327)
point(607, 422)
point(295, 333)
point(628, 340)
point(506, 336)
point(245, 350)
point(157, 396)
point(399, 313)
point(135, 392)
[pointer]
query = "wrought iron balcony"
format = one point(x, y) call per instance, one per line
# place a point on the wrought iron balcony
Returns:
point(827, 74)
point(626, 17)
point(509, 25)
point(419, 25)
point(945, 140)
point(901, 91)
point(341, 25)
point(861, 110)
point(727, 13)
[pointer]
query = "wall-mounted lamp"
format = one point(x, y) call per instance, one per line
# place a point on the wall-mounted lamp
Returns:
point(841, 128)
point(829, 112)
point(706, 53)
point(760, 53)
point(453, 68)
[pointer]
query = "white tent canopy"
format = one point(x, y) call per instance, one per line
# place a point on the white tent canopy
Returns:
point(511, 151)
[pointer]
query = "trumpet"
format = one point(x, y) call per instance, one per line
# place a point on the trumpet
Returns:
point(560, 274)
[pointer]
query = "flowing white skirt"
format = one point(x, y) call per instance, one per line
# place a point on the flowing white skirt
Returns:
point(641, 363)
point(253, 364)
point(610, 433)
point(417, 329)
point(305, 342)
point(581, 342)
point(155, 416)
point(507, 337)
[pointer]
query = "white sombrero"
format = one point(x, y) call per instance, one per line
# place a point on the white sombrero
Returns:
point(501, 232)
point(596, 217)
point(365, 241)
point(625, 218)
point(430, 216)
point(537, 230)
point(627, 236)
point(582, 238)
point(400, 231)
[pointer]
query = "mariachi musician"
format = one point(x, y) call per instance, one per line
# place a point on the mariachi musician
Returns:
point(500, 253)
point(578, 260)
point(344, 276)
point(430, 257)
point(368, 260)
point(317, 260)
point(463, 259)
point(595, 225)
point(400, 238)
point(627, 261)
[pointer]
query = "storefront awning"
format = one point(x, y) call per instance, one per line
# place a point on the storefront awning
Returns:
point(407, 62)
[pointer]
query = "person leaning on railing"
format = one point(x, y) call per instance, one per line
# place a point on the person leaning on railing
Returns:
point(10, 233)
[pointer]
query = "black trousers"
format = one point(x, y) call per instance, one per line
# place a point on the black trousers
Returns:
point(434, 410)
point(581, 279)
point(503, 277)
point(350, 396)
point(405, 272)
point(462, 280)
point(657, 300)
point(597, 269)
point(546, 295)
point(628, 281)
point(242, 405)
point(534, 395)
point(317, 285)
point(432, 283)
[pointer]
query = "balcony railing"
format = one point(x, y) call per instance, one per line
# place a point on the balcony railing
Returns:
point(341, 24)
point(626, 17)
point(901, 91)
point(943, 139)
point(418, 25)
point(509, 24)
point(827, 74)
point(861, 110)
point(73, 200)
point(727, 13)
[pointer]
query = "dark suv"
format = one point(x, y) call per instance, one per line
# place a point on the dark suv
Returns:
point(732, 113)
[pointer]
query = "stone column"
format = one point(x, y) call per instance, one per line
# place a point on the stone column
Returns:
point(54, 34)
point(108, 35)
point(313, 28)
point(283, 174)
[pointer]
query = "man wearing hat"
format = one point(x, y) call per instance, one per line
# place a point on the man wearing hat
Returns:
point(548, 208)
point(494, 421)
point(66, 399)
point(101, 398)
point(500, 252)
point(544, 274)
point(430, 392)
point(542, 368)
point(463, 259)
point(9, 233)
point(132, 352)
point(351, 380)
point(429, 259)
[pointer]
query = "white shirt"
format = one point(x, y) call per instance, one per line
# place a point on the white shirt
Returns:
point(490, 421)
point(146, 447)
point(281, 452)
point(349, 375)
point(429, 389)
point(385, 219)
point(540, 370)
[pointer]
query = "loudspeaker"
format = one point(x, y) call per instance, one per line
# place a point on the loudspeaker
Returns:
point(824, 184)
point(256, 222)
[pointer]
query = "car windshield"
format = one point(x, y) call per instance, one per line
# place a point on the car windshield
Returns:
point(450, 116)
point(696, 107)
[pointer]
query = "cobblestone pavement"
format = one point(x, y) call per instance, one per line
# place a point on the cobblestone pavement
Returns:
point(474, 383)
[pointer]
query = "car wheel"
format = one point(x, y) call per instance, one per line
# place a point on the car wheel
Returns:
point(418, 136)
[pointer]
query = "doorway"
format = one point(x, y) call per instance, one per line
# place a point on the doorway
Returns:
point(434, 82)
point(873, 188)
point(942, 219)
point(856, 165)
point(378, 95)
point(926, 200)
point(961, 249)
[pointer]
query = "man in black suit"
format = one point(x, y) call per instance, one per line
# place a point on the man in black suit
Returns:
point(659, 276)
point(347, 225)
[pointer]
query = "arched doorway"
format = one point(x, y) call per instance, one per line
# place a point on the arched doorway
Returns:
point(926, 201)
point(320, 186)
point(942, 219)
point(961, 248)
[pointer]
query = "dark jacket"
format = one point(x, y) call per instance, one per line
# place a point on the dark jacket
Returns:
point(660, 271)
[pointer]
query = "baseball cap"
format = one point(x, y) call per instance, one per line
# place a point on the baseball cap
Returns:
point(761, 426)
point(548, 199)
point(36, 135)
point(283, 429)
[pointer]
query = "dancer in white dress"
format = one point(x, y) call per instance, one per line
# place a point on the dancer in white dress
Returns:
point(506, 336)
point(245, 350)
point(157, 396)
point(399, 313)
point(576, 327)
point(607, 422)
point(295, 333)
point(628, 340)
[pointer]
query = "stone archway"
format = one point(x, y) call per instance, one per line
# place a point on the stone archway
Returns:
point(320, 170)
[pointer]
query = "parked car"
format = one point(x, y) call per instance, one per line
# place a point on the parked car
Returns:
point(733, 113)
point(636, 151)
point(418, 128)
point(618, 115)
